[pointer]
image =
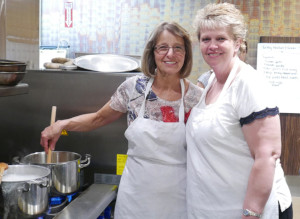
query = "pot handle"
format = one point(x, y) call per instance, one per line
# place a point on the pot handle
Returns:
point(44, 183)
point(26, 186)
point(86, 161)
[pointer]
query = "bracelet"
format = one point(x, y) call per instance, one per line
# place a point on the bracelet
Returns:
point(247, 213)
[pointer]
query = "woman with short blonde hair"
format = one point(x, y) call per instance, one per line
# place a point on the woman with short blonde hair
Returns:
point(233, 133)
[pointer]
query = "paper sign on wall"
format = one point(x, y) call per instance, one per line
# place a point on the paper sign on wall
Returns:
point(280, 63)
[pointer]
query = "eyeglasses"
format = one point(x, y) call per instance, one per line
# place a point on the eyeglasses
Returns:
point(163, 50)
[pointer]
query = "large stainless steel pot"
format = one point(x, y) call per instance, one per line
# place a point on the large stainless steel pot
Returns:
point(25, 186)
point(65, 169)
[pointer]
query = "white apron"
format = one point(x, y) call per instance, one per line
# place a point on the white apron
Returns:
point(153, 183)
point(218, 161)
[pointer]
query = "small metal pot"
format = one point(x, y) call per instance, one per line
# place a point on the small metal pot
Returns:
point(26, 186)
point(65, 169)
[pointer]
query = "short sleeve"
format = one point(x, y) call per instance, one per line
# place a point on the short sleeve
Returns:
point(253, 95)
point(204, 78)
point(120, 99)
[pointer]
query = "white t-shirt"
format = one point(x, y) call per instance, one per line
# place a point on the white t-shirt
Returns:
point(219, 160)
point(205, 77)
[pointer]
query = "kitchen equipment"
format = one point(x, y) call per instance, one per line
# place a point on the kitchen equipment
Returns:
point(68, 67)
point(52, 120)
point(107, 63)
point(25, 188)
point(65, 169)
point(11, 78)
point(3, 166)
point(47, 53)
point(12, 66)
point(60, 63)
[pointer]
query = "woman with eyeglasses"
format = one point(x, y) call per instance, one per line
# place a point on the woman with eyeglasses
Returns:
point(157, 103)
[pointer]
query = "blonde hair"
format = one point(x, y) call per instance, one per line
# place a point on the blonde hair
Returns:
point(148, 64)
point(221, 15)
point(243, 47)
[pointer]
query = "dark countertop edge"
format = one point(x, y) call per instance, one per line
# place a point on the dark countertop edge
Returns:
point(21, 88)
point(60, 71)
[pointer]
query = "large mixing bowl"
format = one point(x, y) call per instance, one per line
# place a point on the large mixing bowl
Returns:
point(12, 66)
point(11, 78)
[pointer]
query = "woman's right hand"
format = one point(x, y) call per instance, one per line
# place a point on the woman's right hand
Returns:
point(50, 135)
point(81, 123)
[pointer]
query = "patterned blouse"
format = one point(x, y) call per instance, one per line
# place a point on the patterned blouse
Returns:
point(130, 95)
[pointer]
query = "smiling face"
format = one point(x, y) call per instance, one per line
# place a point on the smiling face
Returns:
point(218, 48)
point(171, 61)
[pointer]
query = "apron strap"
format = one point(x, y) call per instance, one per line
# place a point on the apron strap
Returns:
point(181, 108)
point(230, 78)
point(142, 110)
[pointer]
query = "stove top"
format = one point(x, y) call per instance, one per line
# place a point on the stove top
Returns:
point(56, 204)
point(88, 203)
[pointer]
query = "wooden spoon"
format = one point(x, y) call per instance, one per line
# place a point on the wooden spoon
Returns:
point(3, 166)
point(53, 115)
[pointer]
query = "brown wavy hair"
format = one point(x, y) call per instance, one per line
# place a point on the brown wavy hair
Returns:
point(148, 60)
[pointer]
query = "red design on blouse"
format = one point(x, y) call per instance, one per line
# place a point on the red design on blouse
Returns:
point(168, 114)
point(186, 116)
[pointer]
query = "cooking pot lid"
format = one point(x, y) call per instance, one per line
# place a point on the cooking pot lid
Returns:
point(19, 173)
point(107, 63)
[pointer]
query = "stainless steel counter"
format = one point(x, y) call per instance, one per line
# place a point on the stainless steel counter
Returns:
point(91, 203)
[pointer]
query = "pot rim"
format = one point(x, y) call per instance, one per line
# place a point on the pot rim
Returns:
point(47, 173)
point(51, 164)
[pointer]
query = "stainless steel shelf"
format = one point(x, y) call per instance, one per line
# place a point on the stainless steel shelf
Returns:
point(18, 89)
point(90, 203)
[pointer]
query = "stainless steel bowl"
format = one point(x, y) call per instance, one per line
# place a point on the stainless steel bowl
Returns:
point(11, 78)
point(12, 66)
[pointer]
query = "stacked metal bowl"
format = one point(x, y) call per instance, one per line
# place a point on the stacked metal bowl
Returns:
point(11, 72)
